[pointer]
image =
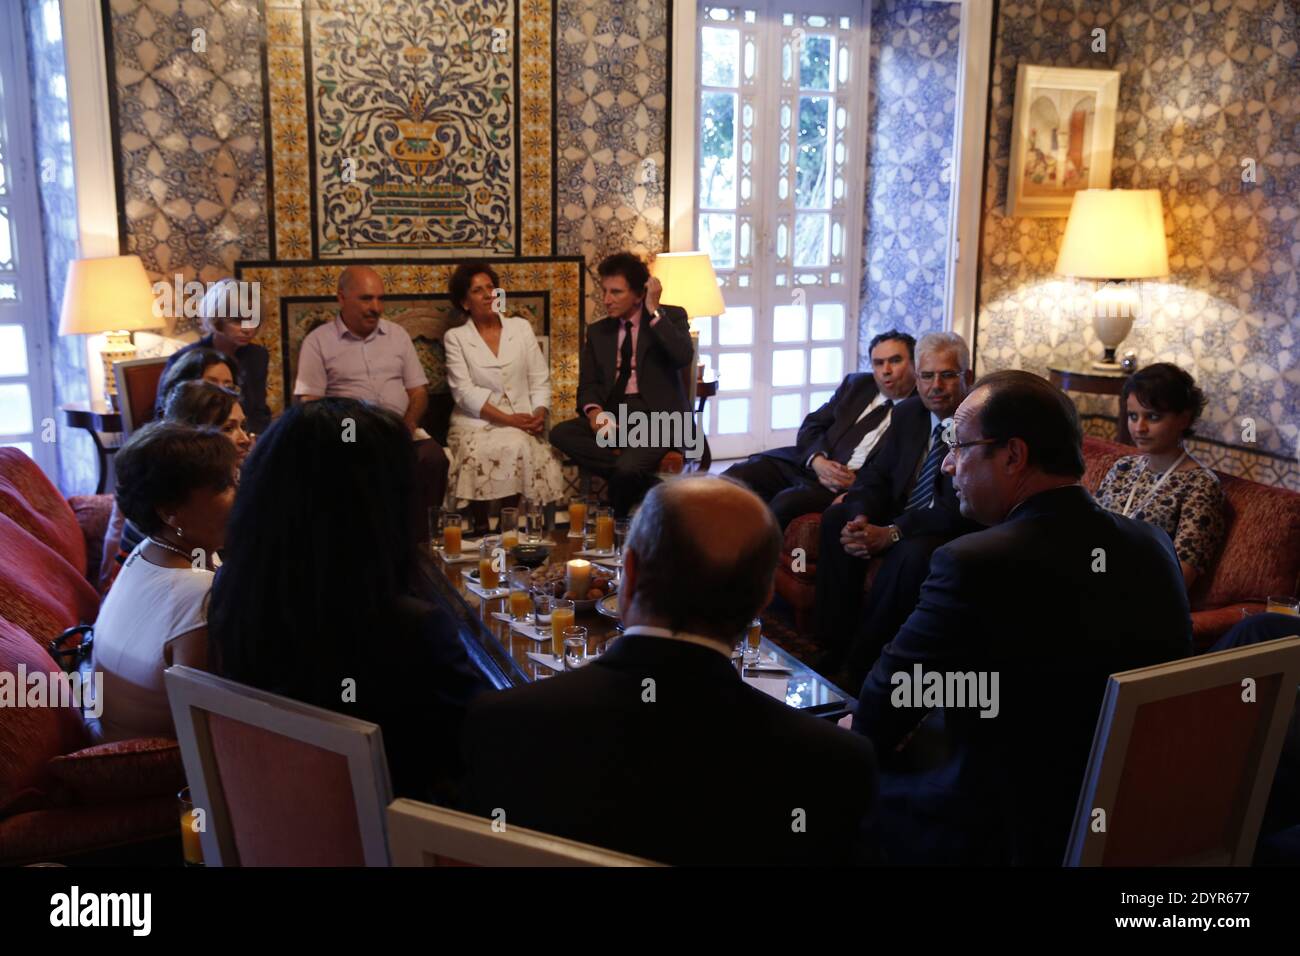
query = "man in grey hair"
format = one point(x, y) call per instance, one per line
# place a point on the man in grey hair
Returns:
point(658, 748)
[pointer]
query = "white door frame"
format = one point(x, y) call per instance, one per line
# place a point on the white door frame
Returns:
point(970, 136)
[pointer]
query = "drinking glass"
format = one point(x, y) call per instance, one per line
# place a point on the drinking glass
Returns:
point(509, 528)
point(535, 516)
point(451, 528)
point(542, 599)
point(605, 530)
point(752, 638)
point(191, 843)
point(577, 517)
point(521, 601)
point(561, 618)
point(437, 519)
point(489, 562)
point(575, 647)
point(621, 528)
point(1283, 605)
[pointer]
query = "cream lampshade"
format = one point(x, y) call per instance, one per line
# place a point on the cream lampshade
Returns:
point(690, 282)
point(1113, 235)
point(111, 295)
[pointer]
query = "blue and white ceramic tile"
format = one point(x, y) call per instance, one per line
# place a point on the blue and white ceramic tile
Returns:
point(914, 54)
point(1204, 88)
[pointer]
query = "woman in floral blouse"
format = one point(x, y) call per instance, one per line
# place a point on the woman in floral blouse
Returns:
point(1165, 486)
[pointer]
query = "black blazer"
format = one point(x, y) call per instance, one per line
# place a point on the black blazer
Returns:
point(824, 427)
point(662, 351)
point(1026, 600)
point(884, 484)
point(711, 772)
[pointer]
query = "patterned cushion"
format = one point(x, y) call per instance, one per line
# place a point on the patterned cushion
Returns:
point(144, 767)
point(27, 497)
point(1261, 555)
point(92, 513)
point(31, 736)
point(40, 592)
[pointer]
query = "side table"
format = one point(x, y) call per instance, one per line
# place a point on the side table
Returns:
point(98, 419)
point(1095, 382)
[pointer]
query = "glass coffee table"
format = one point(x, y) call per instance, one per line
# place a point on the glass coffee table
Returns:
point(509, 657)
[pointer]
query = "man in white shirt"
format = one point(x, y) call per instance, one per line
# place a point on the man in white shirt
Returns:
point(837, 439)
point(362, 355)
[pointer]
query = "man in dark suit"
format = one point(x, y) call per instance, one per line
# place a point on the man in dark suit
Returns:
point(658, 748)
point(836, 440)
point(1016, 631)
point(901, 507)
point(631, 368)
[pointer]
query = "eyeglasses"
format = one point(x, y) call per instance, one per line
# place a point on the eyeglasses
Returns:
point(956, 446)
point(948, 376)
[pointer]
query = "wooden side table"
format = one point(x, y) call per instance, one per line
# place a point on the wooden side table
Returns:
point(98, 419)
point(1095, 382)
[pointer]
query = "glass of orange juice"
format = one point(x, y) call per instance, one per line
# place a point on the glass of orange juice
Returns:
point(490, 561)
point(561, 618)
point(191, 844)
point(509, 528)
point(577, 517)
point(521, 601)
point(1283, 605)
point(752, 638)
point(451, 528)
point(605, 530)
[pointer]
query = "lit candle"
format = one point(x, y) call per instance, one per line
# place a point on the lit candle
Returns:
point(579, 577)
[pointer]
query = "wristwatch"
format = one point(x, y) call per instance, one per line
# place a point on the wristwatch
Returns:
point(895, 535)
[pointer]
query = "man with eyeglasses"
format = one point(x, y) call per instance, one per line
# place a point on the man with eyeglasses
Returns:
point(901, 507)
point(1053, 597)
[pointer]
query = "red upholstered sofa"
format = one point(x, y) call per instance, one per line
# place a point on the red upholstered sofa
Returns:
point(61, 796)
point(1260, 556)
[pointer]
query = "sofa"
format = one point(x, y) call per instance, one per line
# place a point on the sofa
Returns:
point(1260, 554)
point(62, 797)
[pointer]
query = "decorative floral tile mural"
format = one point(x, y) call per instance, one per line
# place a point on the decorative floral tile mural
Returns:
point(915, 46)
point(1208, 101)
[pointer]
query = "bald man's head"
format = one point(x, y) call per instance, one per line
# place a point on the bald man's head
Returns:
point(361, 299)
point(706, 550)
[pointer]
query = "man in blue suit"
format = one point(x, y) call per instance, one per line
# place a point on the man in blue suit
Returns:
point(1016, 631)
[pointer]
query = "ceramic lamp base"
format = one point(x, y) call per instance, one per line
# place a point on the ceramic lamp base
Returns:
point(118, 347)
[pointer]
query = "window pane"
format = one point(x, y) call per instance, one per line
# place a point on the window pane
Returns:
point(810, 240)
point(815, 63)
point(15, 410)
point(786, 411)
point(733, 416)
point(704, 325)
point(787, 367)
point(828, 321)
point(9, 291)
point(718, 150)
point(736, 326)
point(6, 241)
point(3, 178)
point(827, 365)
point(734, 372)
point(818, 399)
point(13, 350)
point(717, 232)
point(719, 56)
point(789, 323)
point(811, 188)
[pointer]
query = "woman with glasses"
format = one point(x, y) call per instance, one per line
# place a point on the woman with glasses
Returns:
point(1164, 485)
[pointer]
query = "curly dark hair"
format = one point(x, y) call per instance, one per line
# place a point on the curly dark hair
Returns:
point(1164, 387)
point(163, 463)
point(463, 277)
point(197, 402)
point(627, 265)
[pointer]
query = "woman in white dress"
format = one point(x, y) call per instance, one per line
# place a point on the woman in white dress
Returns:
point(502, 389)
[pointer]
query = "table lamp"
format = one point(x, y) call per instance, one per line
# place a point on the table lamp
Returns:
point(111, 295)
point(690, 282)
point(1114, 235)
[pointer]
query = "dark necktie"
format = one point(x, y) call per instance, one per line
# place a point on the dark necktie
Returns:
point(624, 362)
point(849, 441)
point(923, 490)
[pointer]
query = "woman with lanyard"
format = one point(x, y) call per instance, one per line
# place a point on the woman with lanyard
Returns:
point(1165, 486)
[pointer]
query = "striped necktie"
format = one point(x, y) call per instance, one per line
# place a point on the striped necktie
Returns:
point(923, 490)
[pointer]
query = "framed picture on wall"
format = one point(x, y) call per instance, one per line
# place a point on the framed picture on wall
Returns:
point(1062, 137)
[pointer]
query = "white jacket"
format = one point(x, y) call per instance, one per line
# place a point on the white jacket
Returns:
point(515, 380)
